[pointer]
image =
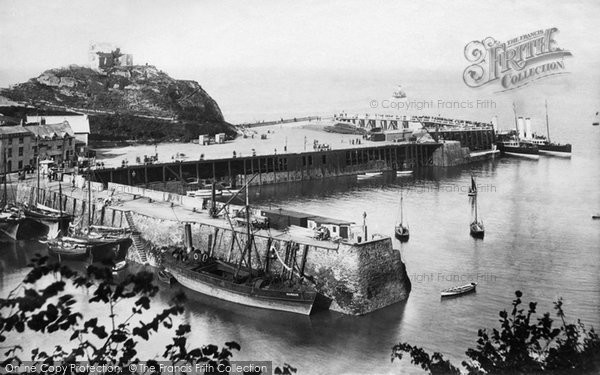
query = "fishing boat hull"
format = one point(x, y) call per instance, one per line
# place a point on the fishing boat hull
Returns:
point(10, 228)
point(402, 234)
point(56, 224)
point(404, 173)
point(211, 285)
point(459, 291)
point(79, 248)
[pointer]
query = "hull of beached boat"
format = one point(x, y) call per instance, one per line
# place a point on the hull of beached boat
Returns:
point(299, 302)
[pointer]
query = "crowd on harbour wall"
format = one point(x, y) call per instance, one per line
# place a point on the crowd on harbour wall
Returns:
point(354, 278)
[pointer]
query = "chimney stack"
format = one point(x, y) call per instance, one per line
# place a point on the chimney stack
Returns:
point(520, 127)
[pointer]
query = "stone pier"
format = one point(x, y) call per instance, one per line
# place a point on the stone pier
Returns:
point(355, 277)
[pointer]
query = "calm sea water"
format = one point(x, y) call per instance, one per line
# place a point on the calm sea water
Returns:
point(540, 239)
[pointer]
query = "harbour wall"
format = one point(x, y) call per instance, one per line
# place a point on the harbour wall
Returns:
point(275, 168)
point(354, 278)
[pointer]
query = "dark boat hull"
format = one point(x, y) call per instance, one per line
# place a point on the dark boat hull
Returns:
point(522, 151)
point(10, 228)
point(554, 149)
point(477, 230)
point(57, 225)
point(80, 249)
point(402, 235)
point(212, 285)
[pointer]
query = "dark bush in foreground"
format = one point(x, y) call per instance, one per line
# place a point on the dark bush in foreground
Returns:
point(525, 344)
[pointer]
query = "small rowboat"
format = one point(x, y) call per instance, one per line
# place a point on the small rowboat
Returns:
point(458, 290)
point(404, 173)
point(119, 266)
point(369, 175)
point(597, 216)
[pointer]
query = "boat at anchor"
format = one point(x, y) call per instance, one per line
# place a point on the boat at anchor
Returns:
point(237, 281)
point(401, 230)
point(476, 227)
point(459, 290)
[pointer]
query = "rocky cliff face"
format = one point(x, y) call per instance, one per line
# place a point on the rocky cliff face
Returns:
point(141, 92)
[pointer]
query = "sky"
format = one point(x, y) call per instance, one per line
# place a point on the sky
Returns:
point(195, 39)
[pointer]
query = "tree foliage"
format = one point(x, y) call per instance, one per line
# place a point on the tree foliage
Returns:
point(524, 344)
point(50, 309)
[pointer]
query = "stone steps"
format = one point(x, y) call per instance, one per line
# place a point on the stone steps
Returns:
point(140, 246)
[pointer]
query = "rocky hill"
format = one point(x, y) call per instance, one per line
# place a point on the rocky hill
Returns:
point(126, 102)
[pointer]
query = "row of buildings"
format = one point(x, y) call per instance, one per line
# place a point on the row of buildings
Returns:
point(60, 139)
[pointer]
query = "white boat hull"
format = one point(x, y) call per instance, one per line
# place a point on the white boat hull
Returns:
point(556, 153)
point(528, 156)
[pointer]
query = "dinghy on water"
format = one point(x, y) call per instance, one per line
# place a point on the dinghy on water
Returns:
point(368, 175)
point(459, 290)
point(401, 230)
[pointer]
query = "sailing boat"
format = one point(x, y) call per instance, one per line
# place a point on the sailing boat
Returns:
point(476, 228)
point(10, 217)
point(56, 221)
point(550, 148)
point(89, 242)
point(596, 123)
point(401, 231)
point(473, 188)
point(203, 272)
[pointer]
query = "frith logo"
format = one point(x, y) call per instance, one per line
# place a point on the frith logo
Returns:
point(515, 63)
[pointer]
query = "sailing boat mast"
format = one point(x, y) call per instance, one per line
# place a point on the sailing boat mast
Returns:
point(249, 235)
point(547, 125)
point(89, 178)
point(60, 200)
point(5, 194)
point(401, 209)
point(37, 147)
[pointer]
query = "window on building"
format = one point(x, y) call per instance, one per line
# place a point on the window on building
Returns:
point(20, 140)
point(9, 165)
point(324, 159)
point(334, 229)
point(310, 160)
point(9, 150)
point(59, 147)
point(10, 141)
point(20, 151)
point(70, 141)
point(20, 164)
